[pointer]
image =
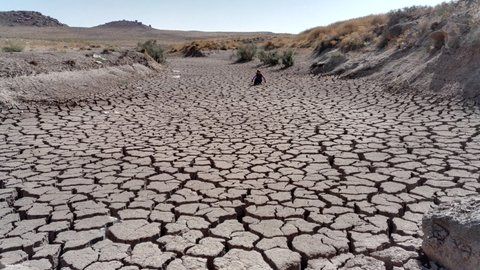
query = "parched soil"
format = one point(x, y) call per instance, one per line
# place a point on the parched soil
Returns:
point(195, 169)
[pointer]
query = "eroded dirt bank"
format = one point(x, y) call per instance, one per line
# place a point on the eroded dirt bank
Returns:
point(69, 77)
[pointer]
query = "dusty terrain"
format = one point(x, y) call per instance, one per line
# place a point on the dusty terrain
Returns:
point(40, 32)
point(195, 169)
point(49, 77)
point(123, 37)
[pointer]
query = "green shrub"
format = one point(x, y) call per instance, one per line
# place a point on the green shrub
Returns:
point(271, 58)
point(288, 58)
point(13, 47)
point(246, 53)
point(153, 49)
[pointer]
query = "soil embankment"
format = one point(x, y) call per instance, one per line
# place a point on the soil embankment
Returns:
point(420, 49)
point(69, 77)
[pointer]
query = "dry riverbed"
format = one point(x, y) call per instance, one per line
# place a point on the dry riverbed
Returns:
point(194, 169)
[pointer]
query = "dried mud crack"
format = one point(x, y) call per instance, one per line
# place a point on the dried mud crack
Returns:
point(205, 172)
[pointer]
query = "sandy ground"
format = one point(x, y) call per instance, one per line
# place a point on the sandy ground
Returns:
point(195, 169)
point(123, 37)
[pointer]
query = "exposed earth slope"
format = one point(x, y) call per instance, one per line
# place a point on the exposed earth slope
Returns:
point(419, 49)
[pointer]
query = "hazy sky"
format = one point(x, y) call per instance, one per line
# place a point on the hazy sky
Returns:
point(288, 16)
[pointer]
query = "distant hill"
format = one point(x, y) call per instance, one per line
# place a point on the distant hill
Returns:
point(27, 18)
point(124, 24)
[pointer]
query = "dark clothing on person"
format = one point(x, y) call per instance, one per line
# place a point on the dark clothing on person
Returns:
point(258, 79)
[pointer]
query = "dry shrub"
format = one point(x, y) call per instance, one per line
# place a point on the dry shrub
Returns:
point(360, 29)
point(192, 50)
point(397, 24)
point(438, 38)
point(270, 45)
point(423, 26)
point(324, 45)
point(11, 46)
point(444, 10)
point(267, 42)
point(352, 42)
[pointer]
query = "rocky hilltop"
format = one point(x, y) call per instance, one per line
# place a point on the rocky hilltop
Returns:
point(125, 24)
point(27, 18)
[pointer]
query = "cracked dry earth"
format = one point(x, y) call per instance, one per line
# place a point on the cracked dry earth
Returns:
point(204, 172)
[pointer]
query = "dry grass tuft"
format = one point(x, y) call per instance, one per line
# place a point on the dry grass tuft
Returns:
point(351, 34)
point(265, 42)
point(11, 46)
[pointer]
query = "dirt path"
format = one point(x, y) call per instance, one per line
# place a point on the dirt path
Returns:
point(202, 171)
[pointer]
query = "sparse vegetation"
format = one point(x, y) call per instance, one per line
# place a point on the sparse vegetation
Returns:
point(270, 45)
point(353, 42)
point(108, 50)
point(398, 23)
point(444, 10)
point(288, 58)
point(246, 53)
point(351, 34)
point(70, 63)
point(270, 58)
point(153, 49)
point(205, 45)
point(192, 50)
point(264, 42)
point(401, 28)
point(13, 47)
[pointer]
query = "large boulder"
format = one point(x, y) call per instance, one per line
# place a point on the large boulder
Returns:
point(452, 234)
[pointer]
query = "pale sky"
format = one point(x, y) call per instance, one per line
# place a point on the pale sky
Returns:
point(281, 16)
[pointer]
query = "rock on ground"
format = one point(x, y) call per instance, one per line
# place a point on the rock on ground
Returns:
point(452, 234)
